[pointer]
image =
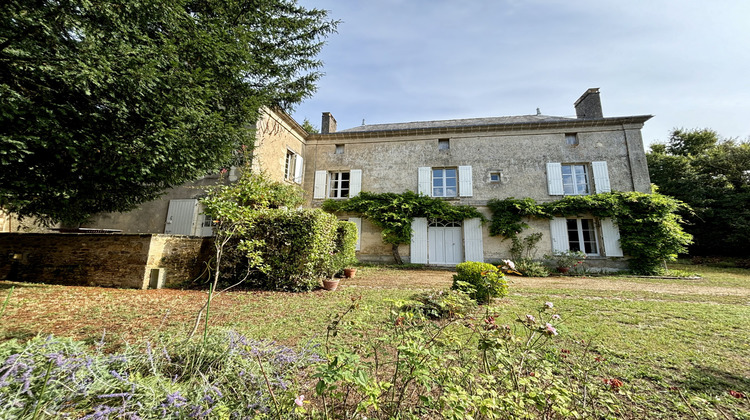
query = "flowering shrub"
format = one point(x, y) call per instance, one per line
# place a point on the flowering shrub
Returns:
point(567, 260)
point(481, 281)
point(63, 378)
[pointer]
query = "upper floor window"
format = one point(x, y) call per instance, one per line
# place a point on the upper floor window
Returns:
point(571, 139)
point(444, 182)
point(338, 186)
point(289, 165)
point(444, 144)
point(575, 179)
point(339, 149)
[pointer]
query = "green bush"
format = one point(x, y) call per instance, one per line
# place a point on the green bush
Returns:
point(481, 281)
point(345, 254)
point(447, 304)
point(530, 268)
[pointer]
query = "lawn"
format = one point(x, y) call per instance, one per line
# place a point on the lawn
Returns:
point(678, 345)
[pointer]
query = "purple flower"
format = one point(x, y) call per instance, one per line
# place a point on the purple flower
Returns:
point(550, 330)
point(530, 319)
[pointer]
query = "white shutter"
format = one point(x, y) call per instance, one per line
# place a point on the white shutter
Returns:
point(319, 190)
point(558, 229)
point(357, 221)
point(181, 217)
point(465, 183)
point(554, 178)
point(355, 182)
point(473, 243)
point(601, 177)
point(418, 247)
point(298, 170)
point(425, 181)
point(611, 237)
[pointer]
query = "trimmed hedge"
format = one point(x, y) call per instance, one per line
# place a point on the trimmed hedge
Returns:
point(481, 281)
point(300, 248)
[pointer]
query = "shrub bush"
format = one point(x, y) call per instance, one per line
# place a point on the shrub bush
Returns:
point(530, 268)
point(345, 254)
point(481, 281)
point(447, 304)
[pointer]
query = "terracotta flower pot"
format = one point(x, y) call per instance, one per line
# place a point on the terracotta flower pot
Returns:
point(563, 270)
point(350, 272)
point(331, 284)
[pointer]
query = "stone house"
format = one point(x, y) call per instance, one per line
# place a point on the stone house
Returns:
point(464, 161)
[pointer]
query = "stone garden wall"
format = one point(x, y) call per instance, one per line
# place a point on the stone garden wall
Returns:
point(139, 261)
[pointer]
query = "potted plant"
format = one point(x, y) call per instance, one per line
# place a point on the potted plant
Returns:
point(331, 283)
point(564, 261)
point(350, 272)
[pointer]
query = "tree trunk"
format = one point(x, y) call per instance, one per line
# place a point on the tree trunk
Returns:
point(396, 255)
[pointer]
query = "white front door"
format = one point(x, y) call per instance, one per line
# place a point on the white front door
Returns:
point(445, 245)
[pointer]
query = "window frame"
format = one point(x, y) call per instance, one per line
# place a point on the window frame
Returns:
point(289, 165)
point(576, 187)
point(444, 180)
point(335, 184)
point(444, 145)
point(580, 237)
point(571, 139)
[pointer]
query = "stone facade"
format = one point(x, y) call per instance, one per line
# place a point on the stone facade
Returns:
point(140, 261)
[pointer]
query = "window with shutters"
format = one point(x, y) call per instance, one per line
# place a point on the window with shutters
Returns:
point(575, 179)
point(582, 236)
point(289, 165)
point(444, 182)
point(338, 185)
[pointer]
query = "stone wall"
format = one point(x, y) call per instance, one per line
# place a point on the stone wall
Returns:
point(138, 261)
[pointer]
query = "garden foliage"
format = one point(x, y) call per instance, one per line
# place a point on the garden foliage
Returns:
point(105, 104)
point(712, 176)
point(649, 224)
point(263, 238)
point(481, 281)
point(229, 376)
point(393, 213)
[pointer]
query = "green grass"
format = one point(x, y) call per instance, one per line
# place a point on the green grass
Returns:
point(680, 345)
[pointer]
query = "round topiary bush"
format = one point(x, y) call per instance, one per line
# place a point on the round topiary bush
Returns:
point(481, 281)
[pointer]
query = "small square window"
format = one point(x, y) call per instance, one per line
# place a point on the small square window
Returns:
point(339, 149)
point(571, 139)
point(444, 144)
point(495, 176)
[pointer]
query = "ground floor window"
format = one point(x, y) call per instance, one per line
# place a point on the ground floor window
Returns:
point(582, 236)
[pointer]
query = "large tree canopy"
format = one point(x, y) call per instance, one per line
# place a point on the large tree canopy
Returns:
point(712, 176)
point(104, 104)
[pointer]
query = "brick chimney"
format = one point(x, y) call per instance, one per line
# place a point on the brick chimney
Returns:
point(589, 105)
point(328, 125)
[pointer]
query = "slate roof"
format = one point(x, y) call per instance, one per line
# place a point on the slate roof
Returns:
point(467, 122)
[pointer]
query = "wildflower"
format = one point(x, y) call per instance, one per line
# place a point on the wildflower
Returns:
point(736, 394)
point(549, 329)
point(555, 316)
point(566, 351)
point(299, 400)
point(614, 384)
point(549, 305)
point(509, 264)
point(530, 319)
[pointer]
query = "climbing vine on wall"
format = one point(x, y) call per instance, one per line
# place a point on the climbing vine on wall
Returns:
point(650, 228)
point(393, 213)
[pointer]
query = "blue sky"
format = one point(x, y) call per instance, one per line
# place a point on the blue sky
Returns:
point(687, 62)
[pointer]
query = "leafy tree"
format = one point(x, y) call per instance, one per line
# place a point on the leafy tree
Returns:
point(105, 104)
point(712, 176)
point(309, 127)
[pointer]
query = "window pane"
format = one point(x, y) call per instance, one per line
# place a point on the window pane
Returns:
point(437, 182)
point(437, 173)
point(450, 173)
point(437, 192)
point(450, 182)
point(450, 192)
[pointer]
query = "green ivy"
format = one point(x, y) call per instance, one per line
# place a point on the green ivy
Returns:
point(393, 213)
point(650, 228)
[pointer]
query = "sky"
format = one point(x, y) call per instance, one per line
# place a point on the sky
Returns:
point(686, 62)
